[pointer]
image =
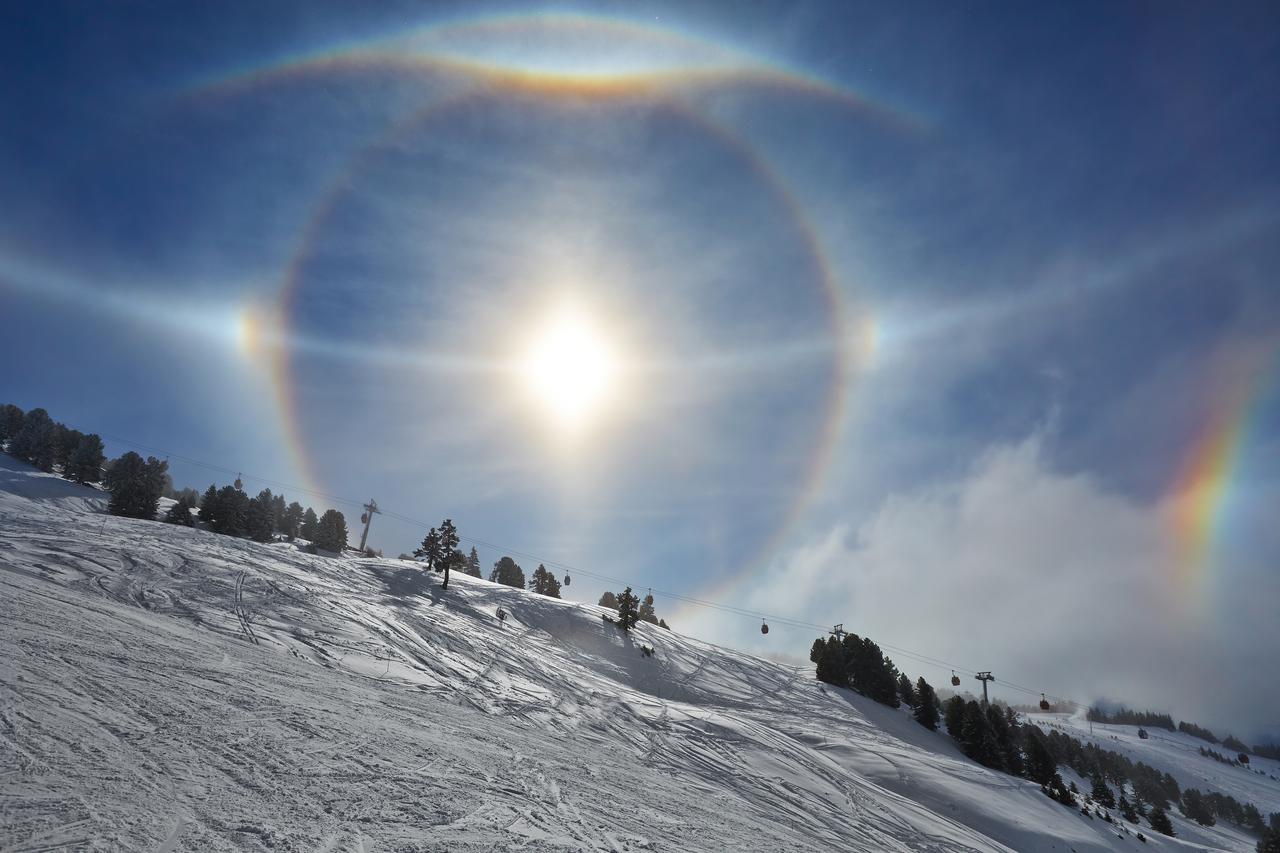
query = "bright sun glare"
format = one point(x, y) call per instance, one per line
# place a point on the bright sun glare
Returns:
point(569, 369)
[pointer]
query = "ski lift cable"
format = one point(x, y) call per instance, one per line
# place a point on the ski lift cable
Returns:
point(676, 596)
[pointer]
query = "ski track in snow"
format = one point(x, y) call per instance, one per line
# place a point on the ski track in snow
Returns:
point(170, 689)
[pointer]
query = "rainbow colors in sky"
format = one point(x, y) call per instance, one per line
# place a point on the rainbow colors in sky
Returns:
point(1204, 488)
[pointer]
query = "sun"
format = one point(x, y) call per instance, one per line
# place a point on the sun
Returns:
point(569, 369)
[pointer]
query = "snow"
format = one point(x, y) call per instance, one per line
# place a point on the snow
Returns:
point(165, 688)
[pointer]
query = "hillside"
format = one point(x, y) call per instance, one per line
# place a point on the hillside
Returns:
point(169, 689)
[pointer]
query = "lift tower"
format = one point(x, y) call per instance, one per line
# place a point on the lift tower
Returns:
point(984, 677)
point(369, 509)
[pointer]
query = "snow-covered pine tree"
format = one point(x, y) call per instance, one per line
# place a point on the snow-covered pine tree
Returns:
point(85, 464)
point(472, 565)
point(331, 534)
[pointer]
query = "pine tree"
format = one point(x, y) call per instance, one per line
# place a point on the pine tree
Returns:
point(906, 692)
point(11, 418)
point(662, 623)
point(429, 550)
point(85, 464)
point(1127, 810)
point(832, 667)
point(180, 513)
point(332, 532)
point(135, 486)
point(1159, 820)
point(258, 518)
point(628, 609)
point(291, 521)
point(955, 717)
point(1059, 791)
point(65, 442)
point(209, 504)
point(609, 600)
point(508, 572)
point(278, 511)
point(544, 582)
point(267, 499)
point(815, 651)
point(976, 737)
point(310, 525)
point(472, 565)
point(231, 510)
point(1041, 766)
point(34, 442)
point(448, 546)
point(926, 711)
point(1196, 807)
point(1101, 793)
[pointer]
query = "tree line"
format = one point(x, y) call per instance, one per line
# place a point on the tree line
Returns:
point(136, 485)
point(1124, 716)
point(38, 440)
point(632, 609)
point(994, 736)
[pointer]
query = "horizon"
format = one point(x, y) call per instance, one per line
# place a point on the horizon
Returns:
point(955, 326)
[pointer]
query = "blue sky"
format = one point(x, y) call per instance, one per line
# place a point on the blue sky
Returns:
point(1050, 232)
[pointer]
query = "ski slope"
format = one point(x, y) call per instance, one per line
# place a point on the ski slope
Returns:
point(164, 688)
point(1178, 754)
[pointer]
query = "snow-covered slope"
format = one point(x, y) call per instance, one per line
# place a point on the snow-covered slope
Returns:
point(168, 689)
point(1178, 754)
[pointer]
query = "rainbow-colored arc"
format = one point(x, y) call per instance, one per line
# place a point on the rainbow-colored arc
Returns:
point(1204, 487)
point(535, 52)
point(439, 52)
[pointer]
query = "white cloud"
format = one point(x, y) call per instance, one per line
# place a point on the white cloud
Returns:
point(1050, 580)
